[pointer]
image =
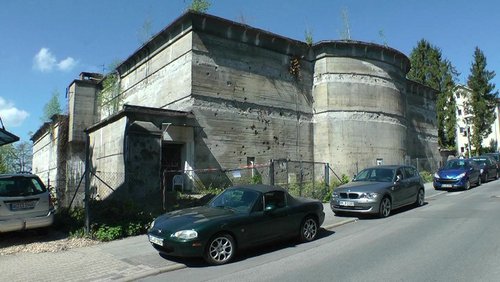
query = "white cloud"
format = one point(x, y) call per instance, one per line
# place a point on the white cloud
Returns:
point(11, 116)
point(67, 64)
point(45, 61)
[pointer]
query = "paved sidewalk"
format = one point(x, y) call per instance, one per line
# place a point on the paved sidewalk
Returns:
point(124, 260)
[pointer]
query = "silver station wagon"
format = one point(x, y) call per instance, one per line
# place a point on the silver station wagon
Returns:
point(25, 203)
point(379, 190)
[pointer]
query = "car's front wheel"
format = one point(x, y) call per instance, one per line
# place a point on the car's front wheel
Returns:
point(385, 207)
point(467, 184)
point(220, 249)
point(308, 229)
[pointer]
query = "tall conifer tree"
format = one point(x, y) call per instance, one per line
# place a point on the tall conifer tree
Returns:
point(482, 100)
point(429, 68)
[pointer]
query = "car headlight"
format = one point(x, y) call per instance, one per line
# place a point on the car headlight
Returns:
point(185, 234)
point(335, 195)
point(461, 175)
point(152, 224)
point(436, 175)
point(370, 196)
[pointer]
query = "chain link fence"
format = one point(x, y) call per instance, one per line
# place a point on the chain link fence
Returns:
point(424, 164)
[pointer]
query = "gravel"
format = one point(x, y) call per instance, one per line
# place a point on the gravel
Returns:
point(33, 241)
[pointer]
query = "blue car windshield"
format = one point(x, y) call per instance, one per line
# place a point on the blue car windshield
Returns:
point(376, 175)
point(456, 164)
point(241, 200)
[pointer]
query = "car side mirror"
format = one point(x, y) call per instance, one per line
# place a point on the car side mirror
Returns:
point(398, 178)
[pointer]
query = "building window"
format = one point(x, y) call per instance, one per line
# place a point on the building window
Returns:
point(462, 150)
point(459, 112)
point(462, 130)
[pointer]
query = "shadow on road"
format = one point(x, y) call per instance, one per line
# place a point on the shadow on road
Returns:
point(374, 216)
point(249, 253)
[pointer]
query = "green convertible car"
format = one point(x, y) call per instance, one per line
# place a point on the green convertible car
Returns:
point(240, 217)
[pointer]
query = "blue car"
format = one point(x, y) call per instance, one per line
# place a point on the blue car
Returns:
point(457, 174)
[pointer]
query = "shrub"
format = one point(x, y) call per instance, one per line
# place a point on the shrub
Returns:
point(427, 176)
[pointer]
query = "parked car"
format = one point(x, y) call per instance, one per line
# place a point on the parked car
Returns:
point(488, 167)
point(379, 190)
point(457, 174)
point(240, 217)
point(495, 156)
point(25, 203)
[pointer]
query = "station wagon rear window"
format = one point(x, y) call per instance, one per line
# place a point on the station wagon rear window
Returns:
point(20, 186)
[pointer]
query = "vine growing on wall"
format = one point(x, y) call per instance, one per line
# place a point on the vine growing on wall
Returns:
point(109, 98)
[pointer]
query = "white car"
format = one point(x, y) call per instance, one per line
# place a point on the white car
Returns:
point(25, 203)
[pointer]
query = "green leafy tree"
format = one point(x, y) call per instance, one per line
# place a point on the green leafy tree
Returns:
point(482, 99)
point(3, 162)
point(431, 69)
point(200, 6)
point(52, 107)
point(16, 157)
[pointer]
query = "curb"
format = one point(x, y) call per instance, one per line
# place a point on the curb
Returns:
point(156, 271)
point(343, 222)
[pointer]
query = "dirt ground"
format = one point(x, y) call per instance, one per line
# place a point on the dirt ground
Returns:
point(36, 241)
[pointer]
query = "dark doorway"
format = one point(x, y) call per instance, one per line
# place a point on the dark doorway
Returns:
point(171, 163)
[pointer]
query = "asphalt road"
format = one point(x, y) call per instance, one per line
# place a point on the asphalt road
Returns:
point(454, 237)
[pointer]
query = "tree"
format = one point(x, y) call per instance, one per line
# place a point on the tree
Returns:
point(429, 68)
point(482, 99)
point(53, 107)
point(16, 157)
point(200, 6)
point(3, 162)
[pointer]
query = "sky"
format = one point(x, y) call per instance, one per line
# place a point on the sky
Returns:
point(46, 44)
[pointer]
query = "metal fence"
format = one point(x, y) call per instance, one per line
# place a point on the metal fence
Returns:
point(424, 164)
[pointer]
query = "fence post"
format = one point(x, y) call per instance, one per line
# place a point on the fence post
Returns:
point(327, 176)
point(87, 183)
point(271, 172)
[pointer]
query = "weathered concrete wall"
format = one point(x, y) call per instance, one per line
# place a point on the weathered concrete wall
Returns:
point(163, 80)
point(248, 103)
point(143, 160)
point(107, 145)
point(49, 156)
point(81, 109)
point(422, 122)
point(360, 105)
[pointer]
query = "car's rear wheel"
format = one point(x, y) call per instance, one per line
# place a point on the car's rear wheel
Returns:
point(385, 207)
point(420, 198)
point(220, 249)
point(308, 229)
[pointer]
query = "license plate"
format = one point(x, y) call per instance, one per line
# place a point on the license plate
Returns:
point(25, 205)
point(346, 203)
point(446, 185)
point(155, 240)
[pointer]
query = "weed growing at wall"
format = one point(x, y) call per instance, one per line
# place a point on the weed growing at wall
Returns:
point(426, 176)
point(110, 220)
point(109, 98)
